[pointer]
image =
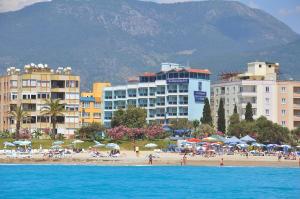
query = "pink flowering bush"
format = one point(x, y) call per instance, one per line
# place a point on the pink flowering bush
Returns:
point(154, 131)
point(117, 133)
point(24, 134)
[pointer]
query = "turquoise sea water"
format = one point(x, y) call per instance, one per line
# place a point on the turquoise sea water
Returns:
point(57, 181)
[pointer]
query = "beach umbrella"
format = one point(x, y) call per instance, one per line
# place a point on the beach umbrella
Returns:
point(257, 145)
point(193, 140)
point(24, 143)
point(218, 137)
point(56, 147)
point(242, 145)
point(99, 145)
point(233, 140)
point(210, 139)
point(286, 146)
point(247, 138)
point(112, 146)
point(6, 144)
point(271, 145)
point(17, 142)
point(77, 141)
point(57, 143)
point(96, 142)
point(151, 145)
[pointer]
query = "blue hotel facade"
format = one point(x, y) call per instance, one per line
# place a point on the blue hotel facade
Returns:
point(172, 93)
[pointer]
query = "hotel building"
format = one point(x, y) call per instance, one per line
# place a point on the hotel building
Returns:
point(258, 86)
point(172, 93)
point(29, 88)
point(277, 100)
point(91, 103)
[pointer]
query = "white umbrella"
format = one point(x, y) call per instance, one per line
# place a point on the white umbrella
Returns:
point(56, 147)
point(24, 143)
point(57, 143)
point(8, 144)
point(112, 146)
point(151, 145)
point(77, 141)
point(99, 145)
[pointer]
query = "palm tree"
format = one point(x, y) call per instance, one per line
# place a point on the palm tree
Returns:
point(54, 109)
point(19, 114)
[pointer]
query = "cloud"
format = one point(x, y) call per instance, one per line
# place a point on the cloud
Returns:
point(12, 5)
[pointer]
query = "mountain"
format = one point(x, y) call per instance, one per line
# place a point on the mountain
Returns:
point(109, 40)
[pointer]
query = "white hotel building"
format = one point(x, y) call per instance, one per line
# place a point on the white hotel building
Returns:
point(174, 92)
point(258, 86)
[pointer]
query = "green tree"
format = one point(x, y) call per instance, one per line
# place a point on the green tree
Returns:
point(53, 108)
point(206, 116)
point(118, 118)
point(196, 124)
point(242, 128)
point(249, 113)
point(235, 109)
point(296, 134)
point(19, 115)
point(132, 117)
point(234, 121)
point(181, 123)
point(221, 117)
point(90, 131)
point(204, 129)
point(267, 131)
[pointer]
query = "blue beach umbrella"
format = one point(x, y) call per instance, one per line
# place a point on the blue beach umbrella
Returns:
point(112, 146)
point(57, 143)
point(6, 144)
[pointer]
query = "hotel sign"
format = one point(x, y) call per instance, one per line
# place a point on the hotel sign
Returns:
point(199, 96)
point(177, 81)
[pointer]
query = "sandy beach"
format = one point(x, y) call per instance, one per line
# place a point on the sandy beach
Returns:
point(130, 158)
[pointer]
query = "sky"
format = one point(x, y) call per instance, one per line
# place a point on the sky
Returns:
point(287, 11)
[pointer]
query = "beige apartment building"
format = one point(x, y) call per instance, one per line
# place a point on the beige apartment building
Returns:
point(30, 88)
point(277, 100)
point(289, 103)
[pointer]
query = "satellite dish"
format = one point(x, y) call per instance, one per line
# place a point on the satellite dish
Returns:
point(32, 64)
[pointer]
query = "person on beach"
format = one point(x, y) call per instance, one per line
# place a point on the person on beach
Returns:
point(183, 162)
point(150, 159)
point(137, 151)
point(222, 162)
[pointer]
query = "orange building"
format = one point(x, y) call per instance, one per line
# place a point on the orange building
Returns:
point(91, 104)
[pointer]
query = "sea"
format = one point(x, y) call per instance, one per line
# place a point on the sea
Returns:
point(78, 181)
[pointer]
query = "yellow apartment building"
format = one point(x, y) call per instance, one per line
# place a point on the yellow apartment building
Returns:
point(91, 104)
point(30, 88)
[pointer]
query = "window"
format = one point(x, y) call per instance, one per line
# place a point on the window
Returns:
point(29, 83)
point(13, 83)
point(199, 86)
point(283, 112)
point(267, 100)
point(283, 101)
point(97, 115)
point(71, 84)
point(44, 84)
point(267, 89)
point(267, 112)
point(283, 89)
point(283, 123)
point(97, 105)
point(14, 96)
